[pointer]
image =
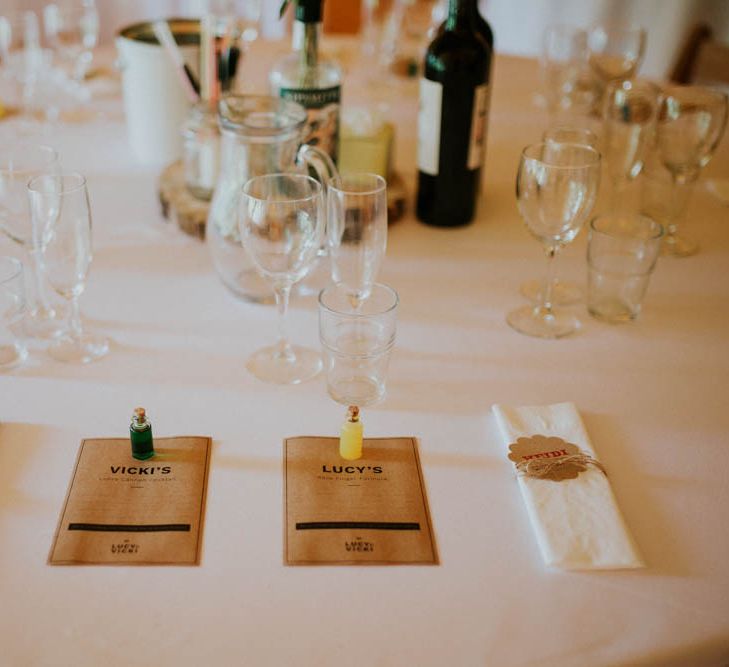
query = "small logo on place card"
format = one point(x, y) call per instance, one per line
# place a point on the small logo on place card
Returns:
point(125, 547)
point(358, 544)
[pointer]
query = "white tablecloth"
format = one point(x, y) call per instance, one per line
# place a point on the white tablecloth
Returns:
point(653, 395)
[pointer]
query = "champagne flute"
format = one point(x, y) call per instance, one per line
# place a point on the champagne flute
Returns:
point(556, 188)
point(60, 204)
point(691, 123)
point(563, 292)
point(357, 231)
point(615, 53)
point(281, 223)
point(629, 113)
point(20, 161)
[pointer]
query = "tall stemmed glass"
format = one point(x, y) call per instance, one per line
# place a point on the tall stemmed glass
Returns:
point(281, 223)
point(20, 161)
point(236, 28)
point(691, 122)
point(629, 112)
point(60, 205)
point(563, 292)
point(12, 308)
point(356, 231)
point(615, 53)
point(21, 57)
point(72, 29)
point(556, 188)
point(563, 70)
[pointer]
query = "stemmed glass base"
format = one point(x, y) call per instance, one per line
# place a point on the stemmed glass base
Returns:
point(563, 293)
point(80, 350)
point(678, 246)
point(290, 366)
point(542, 323)
point(43, 324)
point(12, 356)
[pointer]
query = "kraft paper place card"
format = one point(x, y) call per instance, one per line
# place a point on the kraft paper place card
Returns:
point(370, 511)
point(121, 511)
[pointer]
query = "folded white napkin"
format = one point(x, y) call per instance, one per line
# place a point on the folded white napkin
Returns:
point(577, 521)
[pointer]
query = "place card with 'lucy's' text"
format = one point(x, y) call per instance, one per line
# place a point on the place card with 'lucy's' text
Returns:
point(121, 511)
point(370, 511)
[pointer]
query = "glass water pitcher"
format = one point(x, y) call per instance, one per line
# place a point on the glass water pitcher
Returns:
point(259, 135)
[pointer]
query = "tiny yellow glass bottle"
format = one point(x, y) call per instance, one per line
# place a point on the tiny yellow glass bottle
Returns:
point(350, 440)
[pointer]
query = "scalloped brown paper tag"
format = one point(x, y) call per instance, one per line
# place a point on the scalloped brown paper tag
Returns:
point(545, 450)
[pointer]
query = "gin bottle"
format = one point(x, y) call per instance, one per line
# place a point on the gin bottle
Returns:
point(314, 83)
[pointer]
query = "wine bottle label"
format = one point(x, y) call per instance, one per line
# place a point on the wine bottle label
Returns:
point(431, 97)
point(477, 143)
point(322, 108)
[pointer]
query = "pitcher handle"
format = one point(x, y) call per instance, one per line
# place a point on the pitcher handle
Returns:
point(319, 161)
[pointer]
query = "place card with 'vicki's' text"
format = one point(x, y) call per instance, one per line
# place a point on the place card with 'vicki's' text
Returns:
point(121, 511)
point(370, 511)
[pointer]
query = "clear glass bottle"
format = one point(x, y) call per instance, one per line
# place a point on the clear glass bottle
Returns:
point(201, 133)
point(202, 148)
point(315, 84)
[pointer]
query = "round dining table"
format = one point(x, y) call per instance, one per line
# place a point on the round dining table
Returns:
point(653, 394)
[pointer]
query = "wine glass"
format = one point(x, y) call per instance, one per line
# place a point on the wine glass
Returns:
point(629, 113)
point(281, 223)
point(60, 205)
point(356, 231)
point(20, 161)
point(691, 122)
point(615, 53)
point(406, 32)
point(563, 292)
point(556, 188)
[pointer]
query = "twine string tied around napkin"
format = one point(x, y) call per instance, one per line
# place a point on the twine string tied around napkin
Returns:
point(546, 467)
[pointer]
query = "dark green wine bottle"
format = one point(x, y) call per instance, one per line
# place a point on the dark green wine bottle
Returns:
point(454, 96)
point(481, 25)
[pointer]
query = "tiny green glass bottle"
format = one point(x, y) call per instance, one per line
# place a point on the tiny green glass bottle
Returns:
point(140, 433)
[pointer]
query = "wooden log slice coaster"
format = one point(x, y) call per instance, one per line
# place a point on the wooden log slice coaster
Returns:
point(178, 205)
point(190, 214)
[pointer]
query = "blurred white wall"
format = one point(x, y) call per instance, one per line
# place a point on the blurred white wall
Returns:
point(115, 14)
point(517, 24)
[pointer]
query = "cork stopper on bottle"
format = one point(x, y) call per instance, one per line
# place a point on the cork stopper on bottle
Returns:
point(353, 413)
point(140, 415)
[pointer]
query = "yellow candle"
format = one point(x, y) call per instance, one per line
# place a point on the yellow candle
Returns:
point(350, 440)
